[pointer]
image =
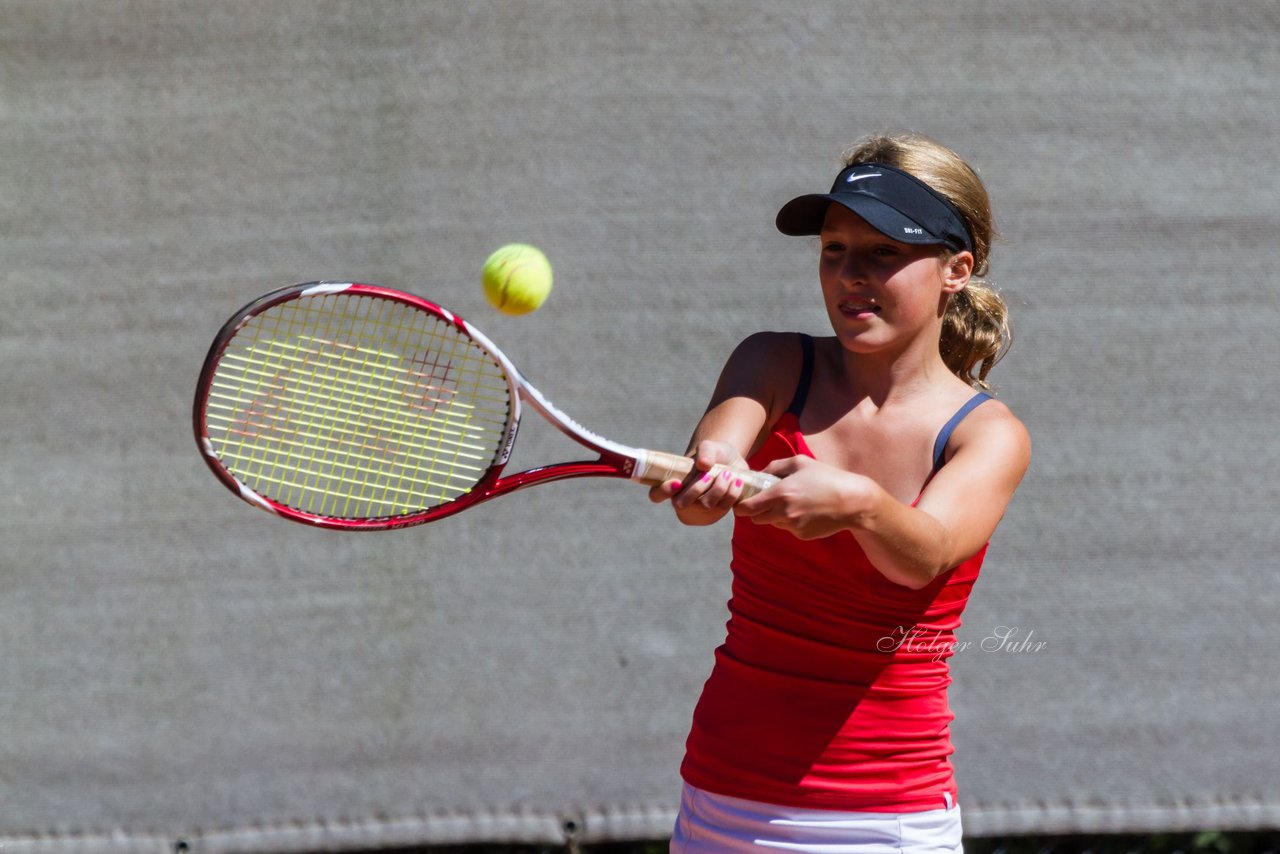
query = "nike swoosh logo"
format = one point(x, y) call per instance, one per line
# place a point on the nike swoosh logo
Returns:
point(853, 178)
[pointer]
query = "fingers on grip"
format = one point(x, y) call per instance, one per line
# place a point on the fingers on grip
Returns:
point(669, 474)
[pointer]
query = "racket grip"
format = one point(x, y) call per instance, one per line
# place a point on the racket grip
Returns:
point(656, 467)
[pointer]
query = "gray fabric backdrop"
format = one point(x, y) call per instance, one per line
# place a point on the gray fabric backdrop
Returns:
point(179, 666)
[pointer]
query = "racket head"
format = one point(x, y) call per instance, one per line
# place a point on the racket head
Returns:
point(353, 406)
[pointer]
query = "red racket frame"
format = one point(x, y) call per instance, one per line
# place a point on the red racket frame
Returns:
point(614, 460)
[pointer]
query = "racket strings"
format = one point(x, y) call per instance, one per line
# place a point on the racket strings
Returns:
point(356, 406)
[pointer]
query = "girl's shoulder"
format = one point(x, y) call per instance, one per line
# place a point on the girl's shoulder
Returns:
point(771, 352)
point(783, 352)
point(989, 409)
point(994, 427)
point(770, 341)
point(766, 366)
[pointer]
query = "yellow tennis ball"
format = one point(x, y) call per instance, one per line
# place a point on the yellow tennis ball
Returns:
point(517, 278)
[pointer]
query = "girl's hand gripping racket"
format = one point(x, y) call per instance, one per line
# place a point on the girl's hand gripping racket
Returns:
point(359, 407)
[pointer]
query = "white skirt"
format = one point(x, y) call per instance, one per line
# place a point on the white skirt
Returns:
point(717, 824)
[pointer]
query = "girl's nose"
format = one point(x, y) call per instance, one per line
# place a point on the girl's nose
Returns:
point(853, 271)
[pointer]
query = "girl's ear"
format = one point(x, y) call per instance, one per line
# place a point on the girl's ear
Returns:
point(956, 271)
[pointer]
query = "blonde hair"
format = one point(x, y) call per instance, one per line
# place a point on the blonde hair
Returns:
point(975, 328)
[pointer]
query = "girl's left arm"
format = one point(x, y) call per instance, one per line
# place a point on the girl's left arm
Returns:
point(954, 517)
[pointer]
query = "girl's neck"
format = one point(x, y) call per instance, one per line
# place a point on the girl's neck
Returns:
point(884, 376)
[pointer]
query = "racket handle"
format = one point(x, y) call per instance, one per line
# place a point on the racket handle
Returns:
point(656, 467)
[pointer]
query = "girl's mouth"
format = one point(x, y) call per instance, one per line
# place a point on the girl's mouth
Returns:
point(857, 307)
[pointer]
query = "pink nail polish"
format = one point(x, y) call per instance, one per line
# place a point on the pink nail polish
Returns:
point(738, 482)
point(726, 474)
point(675, 484)
point(706, 477)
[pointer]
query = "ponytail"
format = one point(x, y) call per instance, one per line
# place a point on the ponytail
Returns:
point(975, 332)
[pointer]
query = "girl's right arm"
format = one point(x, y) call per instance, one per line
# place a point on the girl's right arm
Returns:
point(748, 398)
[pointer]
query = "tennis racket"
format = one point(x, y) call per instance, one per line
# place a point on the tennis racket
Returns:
point(359, 407)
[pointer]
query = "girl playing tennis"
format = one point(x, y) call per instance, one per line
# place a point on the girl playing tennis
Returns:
point(824, 723)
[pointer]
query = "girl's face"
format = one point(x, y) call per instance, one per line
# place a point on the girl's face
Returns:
point(879, 291)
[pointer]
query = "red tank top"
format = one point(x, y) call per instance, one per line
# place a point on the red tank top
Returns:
point(830, 690)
